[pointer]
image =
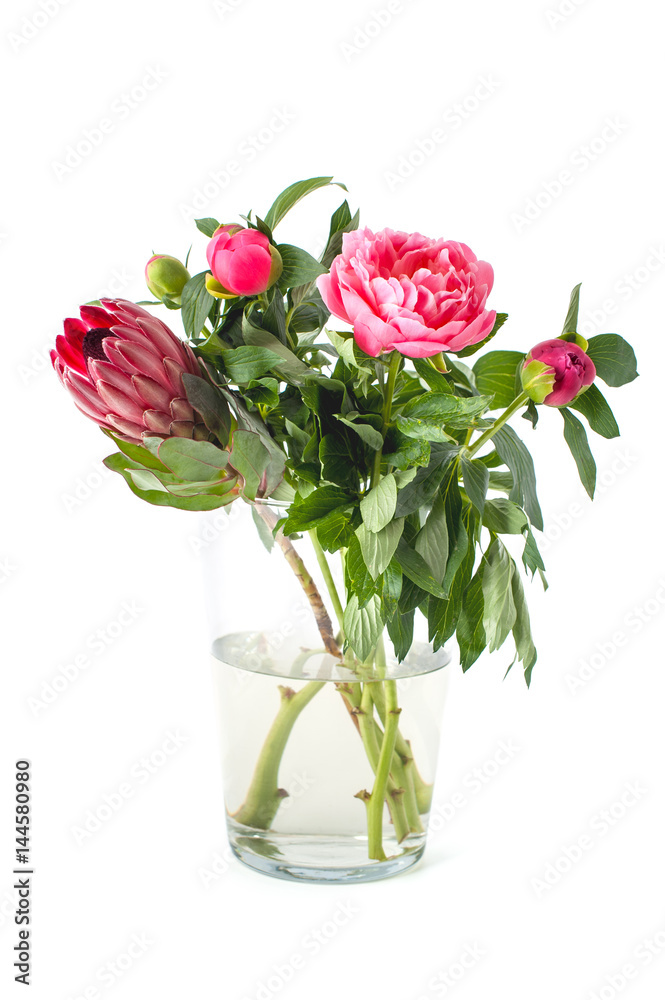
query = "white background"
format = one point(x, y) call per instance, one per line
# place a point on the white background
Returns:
point(537, 91)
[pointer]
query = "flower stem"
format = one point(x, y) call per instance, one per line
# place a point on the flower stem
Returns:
point(388, 393)
point(264, 796)
point(321, 615)
point(378, 793)
point(497, 425)
point(328, 577)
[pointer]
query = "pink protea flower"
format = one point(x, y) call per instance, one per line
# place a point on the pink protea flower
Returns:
point(405, 292)
point(124, 369)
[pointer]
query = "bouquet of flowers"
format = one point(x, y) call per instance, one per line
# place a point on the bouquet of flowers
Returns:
point(380, 439)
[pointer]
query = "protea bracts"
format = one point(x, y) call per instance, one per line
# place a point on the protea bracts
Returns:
point(124, 369)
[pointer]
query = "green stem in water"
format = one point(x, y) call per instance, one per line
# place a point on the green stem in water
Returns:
point(378, 793)
point(371, 737)
point(388, 393)
point(498, 424)
point(328, 577)
point(264, 795)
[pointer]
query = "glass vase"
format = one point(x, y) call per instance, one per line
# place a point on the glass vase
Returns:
point(328, 763)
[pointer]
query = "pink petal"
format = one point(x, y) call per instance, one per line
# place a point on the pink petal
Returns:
point(118, 403)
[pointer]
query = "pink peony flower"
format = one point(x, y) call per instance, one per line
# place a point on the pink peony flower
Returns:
point(407, 293)
point(124, 369)
point(573, 370)
point(242, 261)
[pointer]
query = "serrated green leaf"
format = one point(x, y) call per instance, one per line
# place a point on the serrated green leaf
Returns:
point(614, 359)
point(577, 441)
point(305, 512)
point(242, 364)
point(363, 626)
point(378, 506)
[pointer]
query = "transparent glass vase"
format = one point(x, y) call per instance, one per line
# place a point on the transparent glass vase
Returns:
point(328, 763)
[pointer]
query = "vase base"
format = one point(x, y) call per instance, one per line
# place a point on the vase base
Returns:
point(312, 858)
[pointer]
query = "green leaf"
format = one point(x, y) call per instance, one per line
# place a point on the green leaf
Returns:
point(495, 376)
point(265, 534)
point(335, 530)
point(400, 630)
point(193, 461)
point(340, 223)
point(504, 517)
point(570, 325)
point(363, 626)
point(498, 323)
point(391, 589)
point(139, 454)
point(378, 506)
point(250, 458)
point(336, 461)
point(299, 267)
point(476, 477)
point(422, 489)
point(614, 358)
point(403, 452)
point(577, 441)
point(242, 364)
point(441, 407)
point(287, 364)
point(264, 391)
point(305, 512)
point(443, 616)
point(368, 434)
point(378, 547)
point(359, 580)
point(499, 612)
point(210, 403)
point(274, 317)
point(345, 347)
point(432, 540)
point(424, 430)
point(196, 304)
point(416, 569)
point(160, 498)
point(593, 405)
point(470, 628)
point(207, 226)
point(435, 379)
point(515, 454)
point(285, 201)
point(526, 651)
point(531, 556)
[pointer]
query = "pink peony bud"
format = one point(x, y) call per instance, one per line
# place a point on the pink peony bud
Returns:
point(124, 369)
point(166, 277)
point(242, 262)
point(570, 368)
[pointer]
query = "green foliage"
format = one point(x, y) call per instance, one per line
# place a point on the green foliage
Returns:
point(495, 376)
point(614, 359)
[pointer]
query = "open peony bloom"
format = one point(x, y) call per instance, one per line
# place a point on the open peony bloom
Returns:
point(124, 369)
point(242, 262)
point(572, 369)
point(405, 292)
